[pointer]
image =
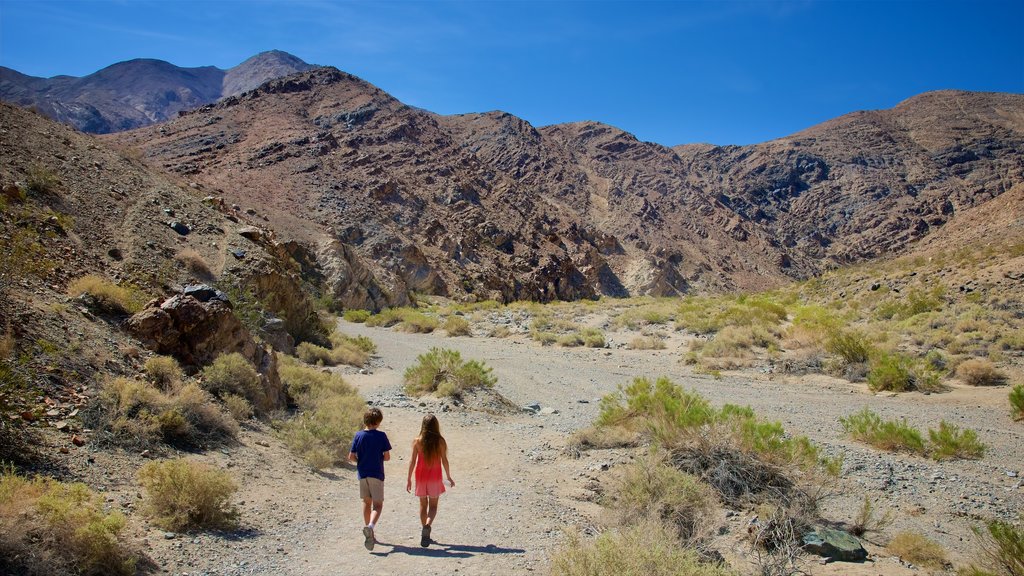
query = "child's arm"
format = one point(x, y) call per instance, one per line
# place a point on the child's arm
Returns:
point(412, 464)
point(444, 462)
point(352, 457)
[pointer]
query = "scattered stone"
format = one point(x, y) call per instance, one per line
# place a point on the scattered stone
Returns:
point(239, 254)
point(834, 544)
point(179, 227)
point(548, 411)
point(532, 408)
point(78, 440)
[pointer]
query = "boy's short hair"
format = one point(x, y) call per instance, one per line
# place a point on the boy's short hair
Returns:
point(372, 417)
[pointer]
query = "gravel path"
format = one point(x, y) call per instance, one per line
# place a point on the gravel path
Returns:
point(516, 490)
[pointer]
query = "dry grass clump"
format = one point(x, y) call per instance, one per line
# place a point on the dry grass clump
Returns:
point(500, 332)
point(656, 313)
point(342, 353)
point(164, 372)
point(331, 412)
point(109, 297)
point(545, 338)
point(182, 495)
point(49, 527)
point(407, 320)
point(646, 343)
point(136, 413)
point(357, 316)
point(648, 550)
point(868, 520)
point(194, 263)
point(443, 371)
point(233, 374)
point(602, 437)
point(651, 488)
point(916, 548)
point(589, 337)
point(239, 408)
point(950, 442)
point(456, 326)
point(979, 372)
point(1017, 402)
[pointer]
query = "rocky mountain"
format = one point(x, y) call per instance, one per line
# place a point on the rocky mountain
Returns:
point(139, 92)
point(397, 200)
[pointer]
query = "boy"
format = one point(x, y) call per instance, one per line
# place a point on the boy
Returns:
point(370, 449)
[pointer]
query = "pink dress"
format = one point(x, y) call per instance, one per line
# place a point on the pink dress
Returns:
point(428, 477)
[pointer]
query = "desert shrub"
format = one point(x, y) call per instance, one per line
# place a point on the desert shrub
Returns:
point(307, 385)
point(357, 316)
point(737, 341)
point(570, 340)
point(1000, 550)
point(194, 263)
point(545, 338)
point(602, 437)
point(41, 180)
point(182, 495)
point(385, 318)
point(49, 527)
point(110, 297)
point(592, 338)
point(949, 441)
point(651, 488)
point(164, 372)
point(979, 372)
point(312, 354)
point(890, 371)
point(1017, 402)
point(646, 343)
point(916, 548)
point(868, 427)
point(233, 374)
point(321, 436)
point(239, 408)
point(363, 343)
point(456, 326)
point(500, 332)
point(868, 520)
point(851, 346)
point(648, 550)
point(443, 371)
point(418, 323)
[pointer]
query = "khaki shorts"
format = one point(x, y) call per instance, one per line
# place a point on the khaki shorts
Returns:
point(372, 488)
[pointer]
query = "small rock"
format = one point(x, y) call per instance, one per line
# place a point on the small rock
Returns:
point(78, 440)
point(170, 535)
point(179, 227)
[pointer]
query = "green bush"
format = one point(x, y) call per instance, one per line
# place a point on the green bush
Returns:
point(1017, 402)
point(357, 316)
point(182, 495)
point(868, 427)
point(164, 371)
point(645, 550)
point(852, 346)
point(443, 371)
point(949, 441)
point(890, 372)
point(363, 343)
point(307, 385)
point(313, 354)
point(233, 374)
point(456, 326)
point(1000, 550)
point(545, 338)
point(321, 436)
point(49, 527)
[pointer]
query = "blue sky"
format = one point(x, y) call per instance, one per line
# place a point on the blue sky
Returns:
point(670, 72)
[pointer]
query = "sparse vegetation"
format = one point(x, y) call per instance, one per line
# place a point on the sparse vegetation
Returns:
point(49, 527)
point(648, 549)
point(868, 427)
point(183, 495)
point(164, 372)
point(109, 297)
point(651, 488)
point(233, 374)
point(916, 548)
point(646, 343)
point(443, 371)
point(1000, 550)
point(357, 316)
point(979, 372)
point(406, 319)
point(194, 263)
point(331, 412)
point(1017, 402)
point(456, 326)
point(868, 520)
point(949, 442)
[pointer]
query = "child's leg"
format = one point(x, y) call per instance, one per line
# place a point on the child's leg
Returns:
point(366, 511)
point(423, 510)
point(431, 509)
point(378, 507)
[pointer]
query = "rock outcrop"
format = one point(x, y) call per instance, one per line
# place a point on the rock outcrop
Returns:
point(198, 325)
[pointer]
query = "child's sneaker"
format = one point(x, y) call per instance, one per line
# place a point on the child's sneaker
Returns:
point(368, 538)
point(425, 537)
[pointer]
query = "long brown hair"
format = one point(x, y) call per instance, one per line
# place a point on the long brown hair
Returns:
point(431, 441)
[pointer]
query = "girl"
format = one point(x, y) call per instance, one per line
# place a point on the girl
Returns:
point(429, 454)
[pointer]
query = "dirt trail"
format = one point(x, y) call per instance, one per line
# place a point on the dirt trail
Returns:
point(517, 489)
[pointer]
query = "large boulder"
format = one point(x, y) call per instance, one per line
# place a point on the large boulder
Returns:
point(834, 544)
point(197, 326)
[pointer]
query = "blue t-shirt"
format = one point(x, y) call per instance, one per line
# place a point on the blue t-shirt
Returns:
point(369, 447)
